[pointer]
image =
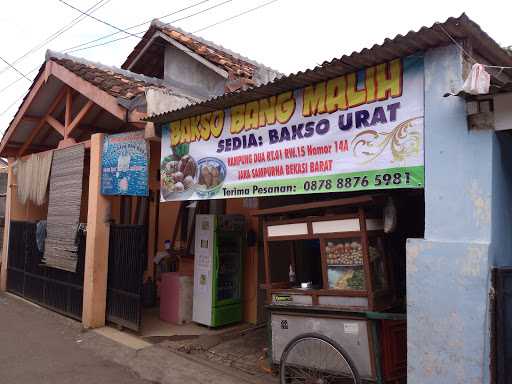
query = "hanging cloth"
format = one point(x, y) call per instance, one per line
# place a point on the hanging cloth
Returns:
point(66, 181)
point(32, 177)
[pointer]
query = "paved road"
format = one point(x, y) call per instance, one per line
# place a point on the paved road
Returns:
point(40, 347)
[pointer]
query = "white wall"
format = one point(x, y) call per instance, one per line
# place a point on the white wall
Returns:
point(179, 67)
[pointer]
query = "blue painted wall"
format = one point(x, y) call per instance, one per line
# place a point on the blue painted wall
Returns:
point(465, 226)
point(458, 161)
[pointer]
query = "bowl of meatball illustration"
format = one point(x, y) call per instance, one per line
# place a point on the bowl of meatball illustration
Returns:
point(177, 175)
point(211, 173)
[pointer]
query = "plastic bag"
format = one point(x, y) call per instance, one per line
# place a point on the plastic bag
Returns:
point(390, 216)
point(478, 81)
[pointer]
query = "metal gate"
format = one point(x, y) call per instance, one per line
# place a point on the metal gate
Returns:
point(55, 289)
point(503, 355)
point(126, 264)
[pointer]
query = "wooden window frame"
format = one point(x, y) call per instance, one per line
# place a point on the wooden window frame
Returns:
point(363, 235)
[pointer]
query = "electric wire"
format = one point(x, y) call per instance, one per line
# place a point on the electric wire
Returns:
point(235, 16)
point(14, 68)
point(199, 30)
point(58, 33)
point(461, 48)
point(12, 105)
point(99, 20)
point(144, 31)
point(69, 50)
point(139, 25)
point(84, 15)
point(120, 30)
point(18, 79)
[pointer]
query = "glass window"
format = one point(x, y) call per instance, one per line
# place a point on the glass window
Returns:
point(376, 254)
point(345, 264)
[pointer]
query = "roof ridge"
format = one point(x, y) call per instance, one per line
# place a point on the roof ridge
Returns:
point(159, 25)
point(134, 76)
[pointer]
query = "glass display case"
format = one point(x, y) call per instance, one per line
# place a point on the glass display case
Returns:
point(349, 250)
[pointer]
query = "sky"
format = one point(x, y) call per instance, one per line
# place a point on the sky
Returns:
point(287, 35)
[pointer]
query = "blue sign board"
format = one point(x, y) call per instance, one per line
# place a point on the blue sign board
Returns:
point(125, 165)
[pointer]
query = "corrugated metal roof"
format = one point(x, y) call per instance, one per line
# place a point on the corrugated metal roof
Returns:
point(438, 34)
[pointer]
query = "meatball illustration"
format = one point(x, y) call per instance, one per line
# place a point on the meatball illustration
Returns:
point(178, 175)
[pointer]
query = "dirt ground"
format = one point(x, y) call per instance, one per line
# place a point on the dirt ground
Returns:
point(245, 350)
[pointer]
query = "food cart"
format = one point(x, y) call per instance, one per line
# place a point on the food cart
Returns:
point(328, 272)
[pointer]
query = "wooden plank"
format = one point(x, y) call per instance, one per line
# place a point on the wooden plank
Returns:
point(366, 199)
point(56, 124)
point(41, 124)
point(79, 117)
point(29, 99)
point(30, 118)
point(323, 255)
point(97, 244)
point(69, 106)
point(66, 143)
point(139, 125)
point(266, 260)
point(322, 292)
point(7, 226)
point(37, 147)
point(101, 98)
point(32, 136)
point(150, 132)
point(135, 117)
point(90, 91)
point(366, 258)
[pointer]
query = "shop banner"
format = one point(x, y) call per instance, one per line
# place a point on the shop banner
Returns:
point(359, 131)
point(125, 164)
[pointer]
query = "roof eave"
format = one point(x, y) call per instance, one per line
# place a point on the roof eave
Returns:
point(134, 54)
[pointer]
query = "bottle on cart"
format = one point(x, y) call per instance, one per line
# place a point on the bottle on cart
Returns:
point(291, 275)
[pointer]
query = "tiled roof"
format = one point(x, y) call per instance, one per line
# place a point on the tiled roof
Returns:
point(116, 82)
point(234, 64)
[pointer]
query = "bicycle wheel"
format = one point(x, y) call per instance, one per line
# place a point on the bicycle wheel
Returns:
point(315, 359)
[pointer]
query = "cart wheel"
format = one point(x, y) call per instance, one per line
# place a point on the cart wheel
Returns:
point(311, 358)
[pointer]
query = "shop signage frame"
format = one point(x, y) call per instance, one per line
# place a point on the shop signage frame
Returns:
point(359, 131)
point(125, 164)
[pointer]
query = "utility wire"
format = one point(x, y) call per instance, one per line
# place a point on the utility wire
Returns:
point(11, 105)
point(14, 68)
point(99, 20)
point(201, 29)
point(235, 16)
point(18, 79)
point(71, 50)
point(138, 25)
point(134, 35)
point(58, 33)
point(461, 48)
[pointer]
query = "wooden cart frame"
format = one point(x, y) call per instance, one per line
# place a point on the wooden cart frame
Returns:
point(377, 299)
